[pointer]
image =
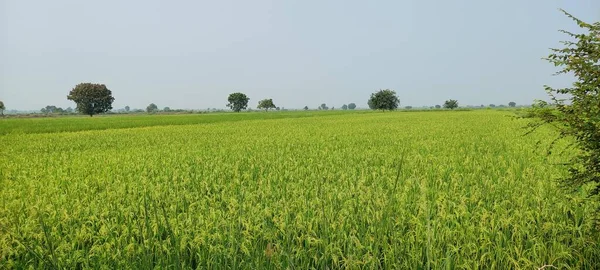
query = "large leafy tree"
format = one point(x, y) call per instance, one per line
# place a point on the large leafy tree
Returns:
point(152, 108)
point(2, 108)
point(238, 101)
point(451, 104)
point(91, 98)
point(266, 104)
point(575, 110)
point(385, 99)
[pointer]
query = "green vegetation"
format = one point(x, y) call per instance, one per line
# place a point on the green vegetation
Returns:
point(266, 104)
point(237, 101)
point(384, 100)
point(324, 190)
point(451, 104)
point(91, 98)
point(574, 111)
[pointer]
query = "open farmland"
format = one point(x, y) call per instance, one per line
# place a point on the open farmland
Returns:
point(301, 190)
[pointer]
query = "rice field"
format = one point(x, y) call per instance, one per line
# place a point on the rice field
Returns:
point(293, 190)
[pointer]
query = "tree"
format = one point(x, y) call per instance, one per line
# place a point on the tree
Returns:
point(492, 105)
point(237, 101)
point(384, 100)
point(351, 106)
point(266, 104)
point(306, 108)
point(166, 109)
point(277, 108)
point(69, 110)
point(512, 104)
point(323, 107)
point(438, 106)
point(151, 108)
point(91, 98)
point(408, 107)
point(127, 108)
point(2, 108)
point(451, 104)
point(344, 107)
point(574, 110)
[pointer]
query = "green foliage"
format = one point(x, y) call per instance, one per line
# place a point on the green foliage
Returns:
point(238, 101)
point(127, 108)
point(323, 107)
point(463, 191)
point(512, 104)
point(344, 107)
point(266, 104)
point(408, 107)
point(151, 108)
point(438, 106)
point(91, 98)
point(351, 106)
point(575, 110)
point(167, 109)
point(2, 107)
point(492, 105)
point(451, 104)
point(384, 100)
point(306, 108)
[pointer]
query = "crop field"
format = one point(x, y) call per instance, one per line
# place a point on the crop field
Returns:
point(298, 190)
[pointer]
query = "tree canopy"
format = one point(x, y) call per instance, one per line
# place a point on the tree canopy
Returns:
point(152, 108)
point(238, 101)
point(91, 98)
point(574, 110)
point(384, 100)
point(2, 108)
point(451, 104)
point(344, 107)
point(512, 104)
point(266, 104)
point(351, 106)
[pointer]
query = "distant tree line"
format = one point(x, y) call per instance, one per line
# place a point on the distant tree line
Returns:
point(93, 98)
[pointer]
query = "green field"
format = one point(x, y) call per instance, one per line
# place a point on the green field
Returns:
point(300, 190)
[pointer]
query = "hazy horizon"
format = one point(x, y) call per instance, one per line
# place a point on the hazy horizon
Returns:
point(192, 54)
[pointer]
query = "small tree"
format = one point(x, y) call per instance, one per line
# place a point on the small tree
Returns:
point(451, 104)
point(575, 112)
point(69, 110)
point(2, 108)
point(408, 107)
point(277, 108)
point(323, 107)
point(166, 109)
point(351, 106)
point(306, 108)
point(512, 104)
point(91, 98)
point(238, 101)
point(151, 108)
point(492, 105)
point(344, 107)
point(384, 100)
point(266, 104)
point(438, 106)
point(127, 108)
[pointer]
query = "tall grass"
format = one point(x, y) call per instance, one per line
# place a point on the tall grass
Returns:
point(377, 190)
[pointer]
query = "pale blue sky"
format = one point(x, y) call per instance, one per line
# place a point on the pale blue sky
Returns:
point(192, 54)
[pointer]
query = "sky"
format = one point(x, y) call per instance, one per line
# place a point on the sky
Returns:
point(193, 54)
